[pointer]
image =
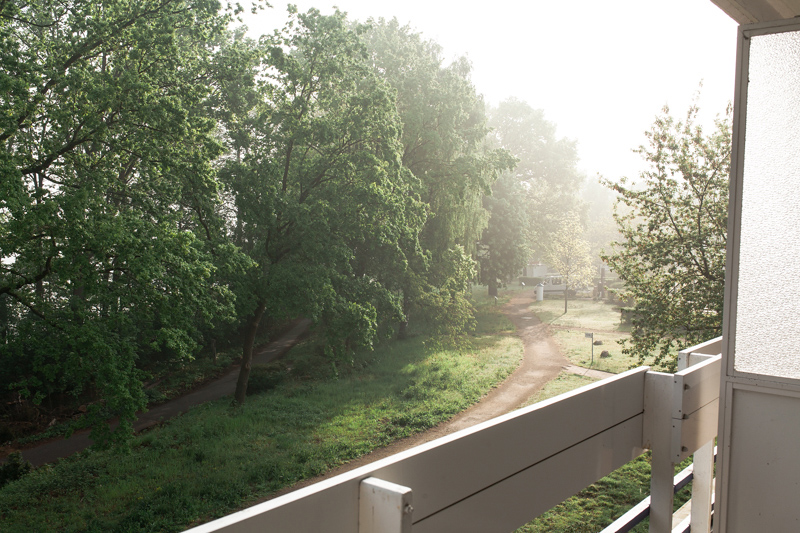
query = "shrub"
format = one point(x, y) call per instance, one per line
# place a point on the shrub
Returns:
point(14, 468)
point(265, 378)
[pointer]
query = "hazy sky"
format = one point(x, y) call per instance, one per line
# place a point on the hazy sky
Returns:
point(601, 71)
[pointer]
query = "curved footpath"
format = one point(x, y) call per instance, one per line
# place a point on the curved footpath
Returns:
point(541, 362)
point(224, 386)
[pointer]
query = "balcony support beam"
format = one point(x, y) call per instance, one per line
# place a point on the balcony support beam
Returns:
point(703, 488)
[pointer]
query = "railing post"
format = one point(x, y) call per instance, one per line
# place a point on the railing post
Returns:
point(657, 435)
point(384, 507)
point(702, 488)
point(703, 459)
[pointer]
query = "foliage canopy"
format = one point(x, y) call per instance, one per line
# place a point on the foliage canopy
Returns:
point(106, 183)
point(672, 258)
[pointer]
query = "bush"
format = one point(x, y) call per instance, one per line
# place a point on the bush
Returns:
point(13, 469)
point(265, 378)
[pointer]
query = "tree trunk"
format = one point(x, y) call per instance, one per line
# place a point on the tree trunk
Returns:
point(247, 353)
point(492, 287)
point(566, 293)
point(402, 331)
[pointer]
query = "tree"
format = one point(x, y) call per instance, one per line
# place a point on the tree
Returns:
point(672, 257)
point(527, 202)
point(105, 191)
point(443, 136)
point(504, 248)
point(568, 252)
point(546, 167)
point(319, 198)
point(601, 228)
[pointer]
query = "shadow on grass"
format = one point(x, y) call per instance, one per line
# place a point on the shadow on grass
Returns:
point(215, 458)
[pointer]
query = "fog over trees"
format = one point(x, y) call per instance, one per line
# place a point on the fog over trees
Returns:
point(527, 203)
point(167, 183)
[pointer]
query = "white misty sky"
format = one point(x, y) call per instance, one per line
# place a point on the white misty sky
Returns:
point(601, 71)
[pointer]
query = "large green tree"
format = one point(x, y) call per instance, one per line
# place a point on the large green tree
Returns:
point(546, 169)
point(504, 248)
point(672, 255)
point(320, 199)
point(443, 136)
point(527, 204)
point(105, 193)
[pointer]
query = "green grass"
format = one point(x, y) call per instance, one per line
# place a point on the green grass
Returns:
point(578, 349)
point(599, 504)
point(582, 313)
point(587, 316)
point(216, 459)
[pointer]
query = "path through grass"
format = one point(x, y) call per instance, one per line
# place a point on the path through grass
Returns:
point(587, 316)
point(216, 458)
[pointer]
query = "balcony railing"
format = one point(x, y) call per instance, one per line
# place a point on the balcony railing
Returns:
point(498, 475)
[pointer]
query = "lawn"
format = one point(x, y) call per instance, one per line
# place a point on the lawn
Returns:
point(581, 313)
point(587, 316)
point(310, 417)
point(564, 382)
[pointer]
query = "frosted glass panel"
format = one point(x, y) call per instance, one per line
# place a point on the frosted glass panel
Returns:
point(768, 314)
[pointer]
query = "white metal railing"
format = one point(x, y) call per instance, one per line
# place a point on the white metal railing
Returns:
point(641, 510)
point(692, 427)
point(498, 475)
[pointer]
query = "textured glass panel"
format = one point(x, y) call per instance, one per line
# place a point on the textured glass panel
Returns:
point(768, 314)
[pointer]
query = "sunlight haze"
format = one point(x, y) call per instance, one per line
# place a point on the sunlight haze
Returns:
point(601, 71)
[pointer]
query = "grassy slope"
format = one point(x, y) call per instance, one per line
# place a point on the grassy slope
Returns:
point(215, 459)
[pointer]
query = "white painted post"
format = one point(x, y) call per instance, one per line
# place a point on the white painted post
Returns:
point(384, 507)
point(657, 433)
point(703, 460)
point(703, 488)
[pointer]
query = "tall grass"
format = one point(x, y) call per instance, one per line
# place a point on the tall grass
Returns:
point(217, 458)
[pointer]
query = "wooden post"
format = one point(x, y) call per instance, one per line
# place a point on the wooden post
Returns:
point(384, 507)
point(703, 488)
point(703, 460)
point(657, 433)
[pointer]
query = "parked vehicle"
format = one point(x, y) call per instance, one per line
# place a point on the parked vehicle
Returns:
point(554, 283)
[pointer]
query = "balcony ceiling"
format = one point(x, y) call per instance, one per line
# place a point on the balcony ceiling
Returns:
point(749, 11)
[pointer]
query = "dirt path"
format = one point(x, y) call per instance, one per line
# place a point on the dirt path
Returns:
point(542, 361)
point(49, 451)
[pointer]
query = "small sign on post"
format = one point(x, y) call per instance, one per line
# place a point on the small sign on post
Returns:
point(591, 336)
